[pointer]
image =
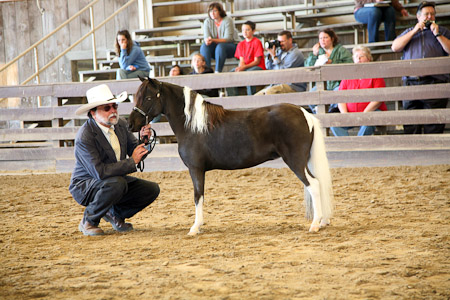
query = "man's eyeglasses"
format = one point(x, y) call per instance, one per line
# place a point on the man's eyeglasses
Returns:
point(108, 107)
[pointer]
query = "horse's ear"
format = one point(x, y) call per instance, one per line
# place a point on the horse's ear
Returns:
point(143, 78)
point(153, 81)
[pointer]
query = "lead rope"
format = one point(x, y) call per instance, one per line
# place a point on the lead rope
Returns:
point(149, 145)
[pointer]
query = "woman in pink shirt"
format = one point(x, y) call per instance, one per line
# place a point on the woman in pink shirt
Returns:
point(361, 54)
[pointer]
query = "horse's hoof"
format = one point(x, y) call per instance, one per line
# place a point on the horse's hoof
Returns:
point(314, 228)
point(193, 232)
point(324, 223)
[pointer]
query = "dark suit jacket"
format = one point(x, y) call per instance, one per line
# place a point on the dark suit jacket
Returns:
point(95, 158)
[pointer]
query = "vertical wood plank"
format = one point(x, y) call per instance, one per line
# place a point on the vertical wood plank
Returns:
point(75, 26)
point(110, 27)
point(23, 40)
point(9, 17)
point(100, 35)
point(2, 38)
point(35, 31)
point(85, 25)
point(122, 18)
point(133, 16)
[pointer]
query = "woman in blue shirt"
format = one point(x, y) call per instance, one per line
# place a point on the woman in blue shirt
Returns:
point(131, 57)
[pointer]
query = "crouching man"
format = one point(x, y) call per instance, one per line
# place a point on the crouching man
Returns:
point(105, 152)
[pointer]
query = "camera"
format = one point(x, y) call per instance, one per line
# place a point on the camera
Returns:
point(428, 24)
point(269, 45)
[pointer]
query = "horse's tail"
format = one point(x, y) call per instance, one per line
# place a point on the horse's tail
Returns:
point(319, 167)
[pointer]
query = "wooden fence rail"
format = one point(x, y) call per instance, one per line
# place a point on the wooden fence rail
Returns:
point(42, 149)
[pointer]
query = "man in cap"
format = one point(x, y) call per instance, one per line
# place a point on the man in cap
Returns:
point(99, 180)
point(425, 39)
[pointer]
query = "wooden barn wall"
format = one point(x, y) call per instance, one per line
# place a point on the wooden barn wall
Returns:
point(21, 25)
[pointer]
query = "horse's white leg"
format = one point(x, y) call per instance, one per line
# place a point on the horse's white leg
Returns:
point(195, 229)
point(314, 190)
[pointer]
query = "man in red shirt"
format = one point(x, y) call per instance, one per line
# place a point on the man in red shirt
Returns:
point(250, 53)
point(361, 54)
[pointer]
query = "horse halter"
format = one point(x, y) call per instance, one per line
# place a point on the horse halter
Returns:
point(158, 94)
point(149, 144)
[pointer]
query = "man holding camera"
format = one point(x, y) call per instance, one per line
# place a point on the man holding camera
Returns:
point(425, 39)
point(100, 181)
point(283, 54)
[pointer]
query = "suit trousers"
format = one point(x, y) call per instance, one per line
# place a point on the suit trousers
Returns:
point(123, 198)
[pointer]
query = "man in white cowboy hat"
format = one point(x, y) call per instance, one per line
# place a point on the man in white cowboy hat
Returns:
point(105, 152)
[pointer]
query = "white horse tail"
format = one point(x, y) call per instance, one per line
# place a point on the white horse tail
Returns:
point(320, 169)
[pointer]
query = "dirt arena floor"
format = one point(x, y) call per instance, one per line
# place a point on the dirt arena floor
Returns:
point(389, 239)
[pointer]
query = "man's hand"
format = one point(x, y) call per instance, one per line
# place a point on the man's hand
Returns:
point(138, 153)
point(146, 132)
point(419, 27)
point(435, 28)
point(272, 51)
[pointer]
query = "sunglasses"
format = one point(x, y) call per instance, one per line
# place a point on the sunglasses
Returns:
point(108, 107)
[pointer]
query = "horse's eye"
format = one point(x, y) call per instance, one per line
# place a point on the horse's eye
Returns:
point(148, 98)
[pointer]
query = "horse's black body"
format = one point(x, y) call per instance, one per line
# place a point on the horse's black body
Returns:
point(229, 139)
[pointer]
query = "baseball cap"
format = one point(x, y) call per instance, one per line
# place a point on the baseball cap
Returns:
point(425, 4)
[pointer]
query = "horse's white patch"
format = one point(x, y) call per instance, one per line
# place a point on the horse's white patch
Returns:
point(308, 119)
point(195, 229)
point(196, 118)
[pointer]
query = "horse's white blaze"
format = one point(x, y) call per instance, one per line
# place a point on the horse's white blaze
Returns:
point(195, 229)
point(196, 118)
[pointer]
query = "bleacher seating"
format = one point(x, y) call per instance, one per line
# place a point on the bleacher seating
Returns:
point(180, 35)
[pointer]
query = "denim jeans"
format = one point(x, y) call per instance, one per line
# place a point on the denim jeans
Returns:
point(364, 130)
point(220, 52)
point(251, 90)
point(373, 16)
point(343, 131)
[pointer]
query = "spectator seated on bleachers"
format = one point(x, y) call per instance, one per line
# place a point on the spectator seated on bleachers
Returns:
point(425, 39)
point(250, 53)
point(199, 67)
point(361, 54)
point(373, 12)
point(176, 71)
point(131, 57)
point(328, 51)
point(285, 55)
point(220, 36)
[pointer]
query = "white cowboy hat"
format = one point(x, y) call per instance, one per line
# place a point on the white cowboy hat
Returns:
point(100, 95)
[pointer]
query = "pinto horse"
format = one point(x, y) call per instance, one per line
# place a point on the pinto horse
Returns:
point(211, 137)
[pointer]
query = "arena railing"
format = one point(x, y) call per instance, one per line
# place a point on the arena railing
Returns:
point(23, 149)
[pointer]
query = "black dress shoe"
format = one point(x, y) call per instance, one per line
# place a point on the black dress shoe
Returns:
point(117, 223)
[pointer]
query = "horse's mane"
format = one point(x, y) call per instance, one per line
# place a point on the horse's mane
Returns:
point(201, 116)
